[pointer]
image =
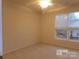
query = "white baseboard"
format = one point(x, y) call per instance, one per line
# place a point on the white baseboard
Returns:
point(18, 48)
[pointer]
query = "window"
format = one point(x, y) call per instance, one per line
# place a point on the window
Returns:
point(61, 34)
point(67, 26)
point(74, 34)
point(74, 20)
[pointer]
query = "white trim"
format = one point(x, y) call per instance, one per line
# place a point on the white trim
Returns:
point(6, 52)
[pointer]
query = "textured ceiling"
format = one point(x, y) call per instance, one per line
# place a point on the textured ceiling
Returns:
point(35, 7)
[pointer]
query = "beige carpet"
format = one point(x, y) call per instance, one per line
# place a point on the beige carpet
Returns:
point(42, 51)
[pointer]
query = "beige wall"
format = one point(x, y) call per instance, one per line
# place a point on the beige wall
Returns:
point(21, 27)
point(48, 29)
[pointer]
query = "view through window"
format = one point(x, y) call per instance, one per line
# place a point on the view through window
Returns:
point(67, 26)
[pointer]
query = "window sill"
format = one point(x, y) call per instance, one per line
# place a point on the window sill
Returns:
point(67, 40)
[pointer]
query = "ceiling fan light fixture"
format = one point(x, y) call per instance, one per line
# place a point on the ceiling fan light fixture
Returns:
point(45, 3)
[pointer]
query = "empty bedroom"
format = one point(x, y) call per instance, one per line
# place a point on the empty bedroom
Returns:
point(40, 29)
